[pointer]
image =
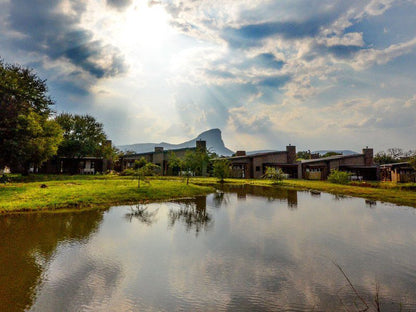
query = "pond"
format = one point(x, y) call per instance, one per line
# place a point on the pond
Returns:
point(239, 249)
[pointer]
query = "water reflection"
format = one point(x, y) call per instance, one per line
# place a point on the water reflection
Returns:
point(141, 213)
point(28, 242)
point(239, 249)
point(193, 213)
point(271, 193)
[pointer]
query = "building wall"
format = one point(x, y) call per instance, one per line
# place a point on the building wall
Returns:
point(358, 160)
point(259, 162)
point(254, 165)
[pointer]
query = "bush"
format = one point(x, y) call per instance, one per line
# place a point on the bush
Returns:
point(339, 177)
point(129, 172)
point(277, 175)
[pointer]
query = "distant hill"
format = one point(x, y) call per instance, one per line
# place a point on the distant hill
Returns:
point(343, 152)
point(212, 137)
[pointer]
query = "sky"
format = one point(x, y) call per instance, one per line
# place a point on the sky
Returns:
point(318, 74)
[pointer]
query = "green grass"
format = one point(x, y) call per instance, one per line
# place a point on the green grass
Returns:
point(85, 192)
point(81, 192)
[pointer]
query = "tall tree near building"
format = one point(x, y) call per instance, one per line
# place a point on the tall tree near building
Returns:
point(28, 135)
point(83, 136)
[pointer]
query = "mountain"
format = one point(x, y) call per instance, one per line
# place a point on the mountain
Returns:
point(343, 152)
point(212, 137)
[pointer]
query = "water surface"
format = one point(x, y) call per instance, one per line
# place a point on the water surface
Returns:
point(240, 249)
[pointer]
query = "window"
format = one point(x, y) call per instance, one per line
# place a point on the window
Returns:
point(257, 168)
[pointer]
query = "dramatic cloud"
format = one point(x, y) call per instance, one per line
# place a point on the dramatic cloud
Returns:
point(175, 68)
point(54, 30)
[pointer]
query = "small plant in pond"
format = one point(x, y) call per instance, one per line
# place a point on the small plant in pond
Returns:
point(276, 175)
point(339, 177)
point(221, 169)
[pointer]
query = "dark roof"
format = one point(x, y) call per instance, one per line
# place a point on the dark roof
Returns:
point(335, 157)
point(404, 163)
point(257, 155)
point(164, 151)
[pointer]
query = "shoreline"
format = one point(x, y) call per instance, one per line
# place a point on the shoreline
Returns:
point(79, 193)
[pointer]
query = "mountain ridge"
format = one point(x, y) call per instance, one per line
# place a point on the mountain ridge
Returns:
point(213, 138)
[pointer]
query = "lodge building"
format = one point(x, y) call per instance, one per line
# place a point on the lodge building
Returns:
point(160, 157)
point(361, 166)
point(254, 165)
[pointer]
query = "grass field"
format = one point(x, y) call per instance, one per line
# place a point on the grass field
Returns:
point(85, 192)
point(81, 192)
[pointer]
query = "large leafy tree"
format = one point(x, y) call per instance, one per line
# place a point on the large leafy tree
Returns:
point(28, 135)
point(83, 136)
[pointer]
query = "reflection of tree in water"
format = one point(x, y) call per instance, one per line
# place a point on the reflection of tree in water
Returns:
point(220, 199)
point(28, 243)
point(193, 213)
point(142, 214)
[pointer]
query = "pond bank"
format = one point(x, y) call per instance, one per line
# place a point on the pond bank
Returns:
point(86, 192)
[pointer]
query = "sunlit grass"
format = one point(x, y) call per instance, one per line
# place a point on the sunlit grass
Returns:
point(82, 192)
point(85, 192)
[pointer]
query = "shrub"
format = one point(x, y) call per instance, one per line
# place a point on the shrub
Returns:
point(339, 177)
point(128, 172)
point(277, 175)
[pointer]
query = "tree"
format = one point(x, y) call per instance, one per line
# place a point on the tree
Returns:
point(140, 163)
point(303, 155)
point(148, 169)
point(382, 158)
point(221, 169)
point(83, 136)
point(175, 163)
point(329, 154)
point(393, 155)
point(27, 133)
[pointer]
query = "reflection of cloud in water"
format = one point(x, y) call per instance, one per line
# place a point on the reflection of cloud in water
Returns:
point(258, 255)
point(82, 282)
point(285, 259)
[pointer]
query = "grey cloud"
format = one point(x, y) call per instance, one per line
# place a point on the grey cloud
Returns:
point(273, 81)
point(340, 51)
point(58, 36)
point(268, 60)
point(253, 34)
point(119, 4)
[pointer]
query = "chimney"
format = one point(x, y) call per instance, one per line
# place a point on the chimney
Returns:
point(368, 156)
point(291, 154)
point(158, 149)
point(240, 153)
